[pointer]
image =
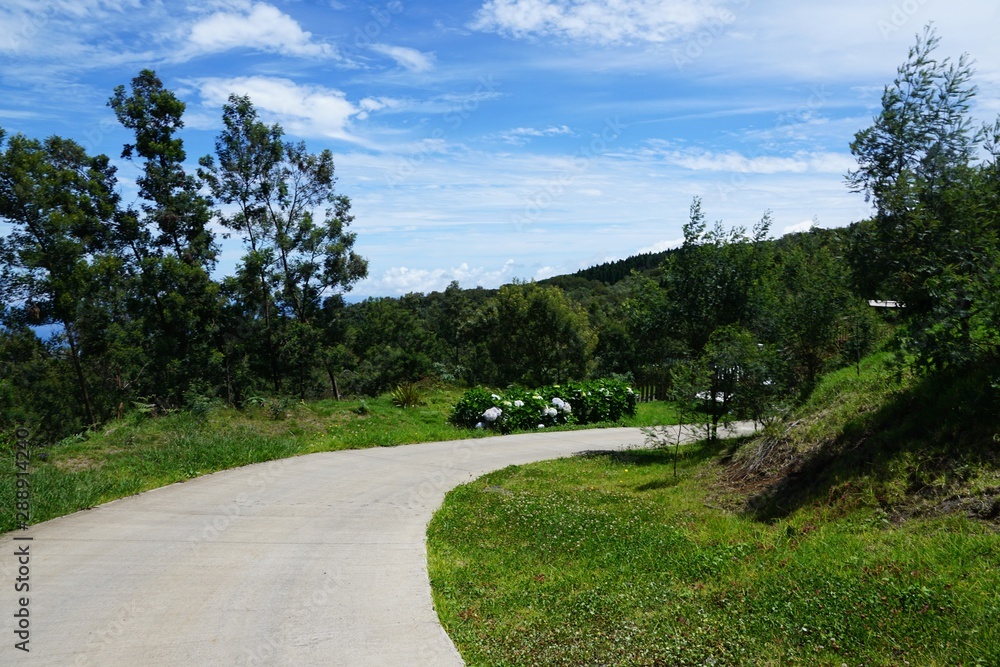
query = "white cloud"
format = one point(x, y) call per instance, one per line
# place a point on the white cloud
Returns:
point(411, 59)
point(403, 280)
point(302, 110)
point(661, 246)
point(261, 27)
point(601, 21)
point(804, 226)
point(520, 136)
point(732, 161)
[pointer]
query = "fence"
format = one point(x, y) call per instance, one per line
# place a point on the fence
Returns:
point(651, 392)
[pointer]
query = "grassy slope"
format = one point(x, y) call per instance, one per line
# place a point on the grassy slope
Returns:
point(881, 441)
point(862, 535)
point(138, 454)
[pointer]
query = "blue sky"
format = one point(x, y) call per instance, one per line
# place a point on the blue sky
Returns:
point(482, 141)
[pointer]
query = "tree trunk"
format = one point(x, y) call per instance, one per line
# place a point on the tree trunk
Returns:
point(84, 393)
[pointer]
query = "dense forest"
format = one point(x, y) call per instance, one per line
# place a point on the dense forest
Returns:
point(143, 321)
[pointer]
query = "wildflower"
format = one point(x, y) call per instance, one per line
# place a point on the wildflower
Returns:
point(518, 404)
point(479, 424)
point(492, 414)
point(494, 397)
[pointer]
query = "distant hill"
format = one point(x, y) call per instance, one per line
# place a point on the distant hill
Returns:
point(610, 273)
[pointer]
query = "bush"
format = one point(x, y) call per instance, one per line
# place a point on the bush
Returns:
point(518, 409)
point(406, 395)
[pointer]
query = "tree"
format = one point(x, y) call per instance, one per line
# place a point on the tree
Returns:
point(61, 203)
point(173, 248)
point(172, 202)
point(742, 377)
point(932, 243)
point(814, 309)
point(711, 279)
point(294, 261)
point(535, 335)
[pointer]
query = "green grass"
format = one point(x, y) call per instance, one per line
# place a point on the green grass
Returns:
point(610, 560)
point(140, 453)
point(863, 531)
point(909, 446)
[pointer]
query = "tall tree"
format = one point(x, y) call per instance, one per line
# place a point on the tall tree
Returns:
point(61, 204)
point(172, 201)
point(711, 279)
point(931, 244)
point(173, 248)
point(294, 260)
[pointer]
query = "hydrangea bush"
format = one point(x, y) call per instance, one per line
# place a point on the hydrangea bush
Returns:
point(519, 409)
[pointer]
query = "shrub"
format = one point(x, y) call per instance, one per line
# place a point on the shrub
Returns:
point(470, 408)
point(522, 409)
point(406, 395)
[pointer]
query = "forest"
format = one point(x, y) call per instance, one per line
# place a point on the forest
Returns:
point(139, 318)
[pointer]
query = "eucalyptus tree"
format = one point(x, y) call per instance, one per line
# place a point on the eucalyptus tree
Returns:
point(932, 243)
point(282, 202)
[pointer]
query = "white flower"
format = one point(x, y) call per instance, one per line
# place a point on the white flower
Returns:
point(518, 404)
point(550, 412)
point(507, 403)
point(495, 397)
point(562, 405)
point(492, 414)
point(541, 426)
point(479, 424)
point(537, 397)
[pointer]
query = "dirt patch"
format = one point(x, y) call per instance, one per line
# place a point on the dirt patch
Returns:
point(77, 464)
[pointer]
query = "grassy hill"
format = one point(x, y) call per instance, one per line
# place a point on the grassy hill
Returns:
point(864, 530)
point(879, 439)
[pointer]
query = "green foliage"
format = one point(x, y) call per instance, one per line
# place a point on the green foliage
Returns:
point(743, 376)
point(534, 335)
point(933, 244)
point(589, 402)
point(712, 280)
point(406, 395)
point(610, 273)
point(606, 400)
point(469, 409)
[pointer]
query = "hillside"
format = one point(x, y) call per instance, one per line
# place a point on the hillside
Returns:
point(610, 273)
point(883, 440)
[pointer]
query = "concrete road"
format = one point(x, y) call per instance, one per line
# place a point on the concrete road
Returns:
point(314, 560)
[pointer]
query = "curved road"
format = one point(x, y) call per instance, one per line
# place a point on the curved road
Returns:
point(313, 560)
